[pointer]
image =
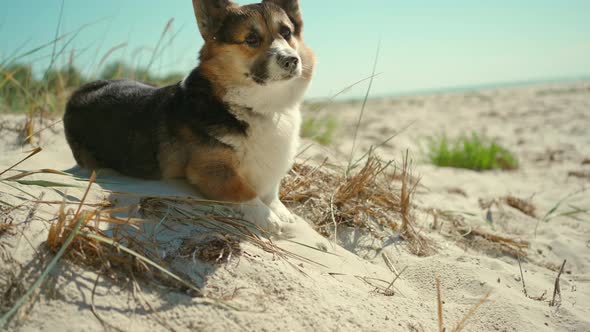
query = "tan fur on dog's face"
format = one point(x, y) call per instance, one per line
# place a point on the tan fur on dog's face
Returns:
point(255, 44)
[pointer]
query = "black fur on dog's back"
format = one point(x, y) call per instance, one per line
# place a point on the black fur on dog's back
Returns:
point(123, 124)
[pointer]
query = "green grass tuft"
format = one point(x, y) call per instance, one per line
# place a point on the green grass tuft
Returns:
point(470, 152)
point(320, 129)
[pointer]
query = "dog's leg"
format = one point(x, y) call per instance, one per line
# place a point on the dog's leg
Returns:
point(292, 225)
point(214, 173)
point(274, 203)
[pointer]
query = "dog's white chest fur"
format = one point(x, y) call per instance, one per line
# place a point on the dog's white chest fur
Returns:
point(268, 151)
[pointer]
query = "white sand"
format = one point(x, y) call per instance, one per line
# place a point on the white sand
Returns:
point(534, 122)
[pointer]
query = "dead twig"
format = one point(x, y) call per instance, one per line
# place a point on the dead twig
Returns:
point(521, 205)
point(557, 289)
point(439, 309)
point(522, 277)
point(463, 322)
point(34, 152)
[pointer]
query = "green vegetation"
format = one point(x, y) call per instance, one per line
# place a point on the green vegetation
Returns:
point(470, 152)
point(20, 91)
point(41, 91)
point(117, 70)
point(571, 210)
point(320, 129)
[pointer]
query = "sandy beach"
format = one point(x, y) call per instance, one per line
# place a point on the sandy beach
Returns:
point(364, 282)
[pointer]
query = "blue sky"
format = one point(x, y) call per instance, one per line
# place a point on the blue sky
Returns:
point(426, 44)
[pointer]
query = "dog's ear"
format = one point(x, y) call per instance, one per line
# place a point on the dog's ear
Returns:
point(210, 15)
point(291, 7)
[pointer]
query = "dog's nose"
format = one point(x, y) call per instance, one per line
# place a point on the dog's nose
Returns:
point(288, 62)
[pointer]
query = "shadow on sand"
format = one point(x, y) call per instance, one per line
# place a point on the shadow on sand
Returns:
point(187, 248)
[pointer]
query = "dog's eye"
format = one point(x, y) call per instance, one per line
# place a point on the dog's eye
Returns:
point(252, 40)
point(285, 32)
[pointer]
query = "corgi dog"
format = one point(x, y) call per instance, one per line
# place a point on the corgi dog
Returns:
point(230, 128)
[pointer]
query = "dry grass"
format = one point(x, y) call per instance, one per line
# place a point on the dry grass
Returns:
point(10, 284)
point(5, 255)
point(439, 307)
point(455, 226)
point(460, 326)
point(556, 300)
point(92, 235)
point(91, 252)
point(77, 221)
point(122, 252)
point(417, 243)
point(376, 198)
point(579, 174)
point(463, 322)
point(457, 191)
point(211, 248)
point(6, 221)
point(524, 206)
point(31, 154)
point(214, 220)
point(128, 250)
point(383, 287)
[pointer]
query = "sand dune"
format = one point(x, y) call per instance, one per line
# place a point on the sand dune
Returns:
point(545, 126)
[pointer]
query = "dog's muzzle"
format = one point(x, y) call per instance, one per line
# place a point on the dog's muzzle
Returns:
point(288, 62)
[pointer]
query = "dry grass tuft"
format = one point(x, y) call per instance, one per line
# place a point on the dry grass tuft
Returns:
point(11, 285)
point(119, 254)
point(457, 191)
point(418, 243)
point(376, 198)
point(211, 248)
point(7, 227)
point(6, 221)
point(457, 228)
point(128, 250)
point(124, 249)
point(213, 219)
point(579, 174)
point(28, 128)
point(82, 250)
point(80, 219)
point(522, 205)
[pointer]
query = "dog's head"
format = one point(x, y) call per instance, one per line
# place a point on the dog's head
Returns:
point(253, 45)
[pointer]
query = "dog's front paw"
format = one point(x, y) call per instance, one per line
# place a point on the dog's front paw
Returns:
point(300, 229)
point(261, 216)
point(284, 214)
point(293, 226)
point(278, 221)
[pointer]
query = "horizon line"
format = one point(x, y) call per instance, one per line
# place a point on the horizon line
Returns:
point(485, 86)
